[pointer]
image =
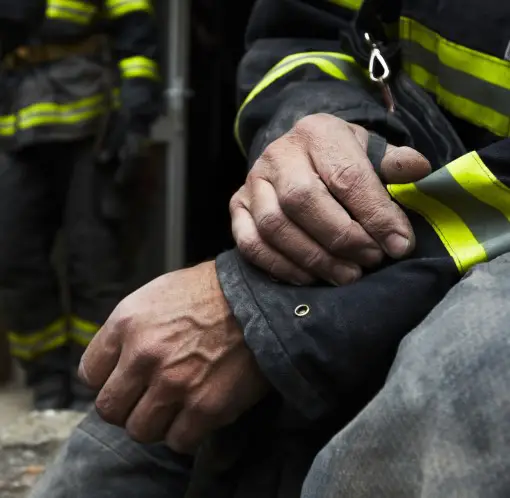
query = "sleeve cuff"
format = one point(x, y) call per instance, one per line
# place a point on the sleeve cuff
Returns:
point(262, 340)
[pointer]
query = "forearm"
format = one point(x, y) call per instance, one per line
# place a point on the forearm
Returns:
point(339, 352)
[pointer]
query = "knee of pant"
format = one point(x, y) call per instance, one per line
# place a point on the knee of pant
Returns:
point(100, 460)
point(460, 352)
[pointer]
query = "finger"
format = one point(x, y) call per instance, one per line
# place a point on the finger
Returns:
point(189, 428)
point(404, 165)
point(121, 392)
point(255, 250)
point(152, 417)
point(345, 169)
point(100, 358)
point(306, 201)
point(280, 232)
point(399, 164)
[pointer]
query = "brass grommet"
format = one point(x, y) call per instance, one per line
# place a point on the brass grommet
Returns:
point(302, 310)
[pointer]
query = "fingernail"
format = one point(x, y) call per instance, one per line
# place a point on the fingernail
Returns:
point(345, 274)
point(396, 245)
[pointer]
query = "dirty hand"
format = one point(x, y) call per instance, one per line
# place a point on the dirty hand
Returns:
point(313, 207)
point(171, 362)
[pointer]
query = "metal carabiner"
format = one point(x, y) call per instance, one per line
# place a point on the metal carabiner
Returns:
point(377, 57)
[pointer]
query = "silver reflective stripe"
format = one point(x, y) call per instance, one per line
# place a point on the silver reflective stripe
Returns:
point(458, 82)
point(489, 226)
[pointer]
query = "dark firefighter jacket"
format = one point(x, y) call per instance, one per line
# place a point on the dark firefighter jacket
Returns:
point(65, 96)
point(329, 362)
point(18, 18)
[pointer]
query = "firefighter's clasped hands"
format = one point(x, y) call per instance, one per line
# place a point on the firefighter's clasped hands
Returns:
point(171, 362)
point(313, 207)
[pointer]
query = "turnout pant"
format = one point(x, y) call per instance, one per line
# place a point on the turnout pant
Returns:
point(439, 427)
point(43, 189)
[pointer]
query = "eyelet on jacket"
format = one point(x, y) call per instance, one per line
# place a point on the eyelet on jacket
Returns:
point(302, 310)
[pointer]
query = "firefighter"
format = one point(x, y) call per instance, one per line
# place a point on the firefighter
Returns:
point(330, 201)
point(77, 104)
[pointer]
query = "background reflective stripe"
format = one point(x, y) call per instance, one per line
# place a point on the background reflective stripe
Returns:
point(139, 67)
point(455, 235)
point(458, 82)
point(327, 62)
point(348, 4)
point(7, 125)
point(28, 346)
point(70, 10)
point(489, 226)
point(82, 331)
point(51, 113)
point(480, 115)
point(117, 8)
point(478, 64)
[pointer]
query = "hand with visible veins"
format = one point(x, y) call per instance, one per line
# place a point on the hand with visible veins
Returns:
point(171, 362)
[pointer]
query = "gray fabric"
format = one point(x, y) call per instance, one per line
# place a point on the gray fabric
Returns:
point(100, 461)
point(440, 427)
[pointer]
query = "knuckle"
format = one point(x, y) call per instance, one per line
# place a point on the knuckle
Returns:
point(146, 352)
point(315, 259)
point(270, 154)
point(345, 179)
point(250, 246)
point(307, 125)
point(105, 411)
point(211, 408)
point(270, 223)
point(235, 202)
point(380, 219)
point(297, 195)
point(341, 239)
point(137, 433)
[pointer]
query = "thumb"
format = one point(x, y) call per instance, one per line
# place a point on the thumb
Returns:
point(404, 165)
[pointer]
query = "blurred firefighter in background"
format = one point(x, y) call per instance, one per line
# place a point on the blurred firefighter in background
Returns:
point(77, 104)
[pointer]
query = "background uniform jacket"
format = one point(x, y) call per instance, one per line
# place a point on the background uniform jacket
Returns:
point(65, 99)
point(325, 366)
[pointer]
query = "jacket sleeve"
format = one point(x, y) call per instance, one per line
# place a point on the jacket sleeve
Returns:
point(295, 66)
point(134, 40)
point(330, 348)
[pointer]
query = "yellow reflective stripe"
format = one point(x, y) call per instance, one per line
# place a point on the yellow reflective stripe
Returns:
point(84, 325)
point(139, 67)
point(7, 125)
point(118, 8)
point(301, 55)
point(478, 64)
point(51, 113)
point(82, 331)
point(472, 174)
point(70, 10)
point(27, 355)
point(78, 6)
point(285, 67)
point(455, 235)
point(29, 345)
point(480, 115)
point(348, 4)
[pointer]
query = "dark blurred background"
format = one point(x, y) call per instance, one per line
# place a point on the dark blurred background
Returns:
point(214, 166)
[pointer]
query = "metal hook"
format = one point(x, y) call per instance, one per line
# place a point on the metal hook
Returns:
point(375, 55)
